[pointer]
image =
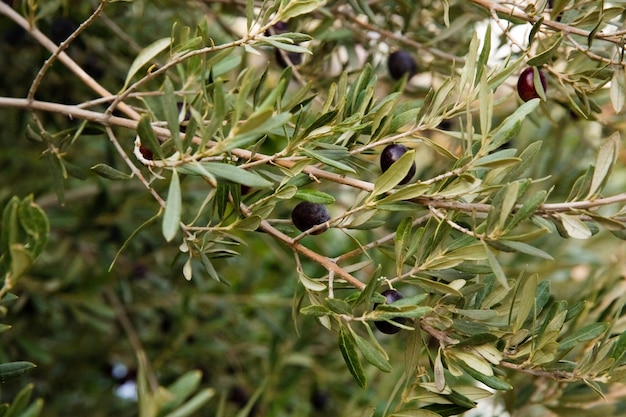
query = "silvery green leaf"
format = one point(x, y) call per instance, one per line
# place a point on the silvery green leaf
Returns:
point(173, 209)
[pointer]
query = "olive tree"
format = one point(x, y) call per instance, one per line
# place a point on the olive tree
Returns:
point(366, 208)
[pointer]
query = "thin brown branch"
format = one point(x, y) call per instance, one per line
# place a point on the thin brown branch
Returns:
point(562, 376)
point(77, 112)
point(133, 337)
point(62, 47)
point(401, 39)
point(507, 9)
point(64, 58)
point(325, 262)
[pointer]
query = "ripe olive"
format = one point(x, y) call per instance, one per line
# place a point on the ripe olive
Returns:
point(526, 84)
point(306, 215)
point(384, 326)
point(390, 155)
point(400, 63)
point(146, 152)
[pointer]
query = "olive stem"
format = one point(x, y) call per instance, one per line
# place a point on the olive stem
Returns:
point(316, 257)
point(62, 47)
point(545, 210)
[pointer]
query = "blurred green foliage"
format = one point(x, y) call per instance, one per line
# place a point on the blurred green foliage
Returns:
point(106, 306)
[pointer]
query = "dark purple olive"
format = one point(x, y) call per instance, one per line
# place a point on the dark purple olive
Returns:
point(146, 152)
point(384, 326)
point(306, 215)
point(400, 63)
point(390, 155)
point(526, 84)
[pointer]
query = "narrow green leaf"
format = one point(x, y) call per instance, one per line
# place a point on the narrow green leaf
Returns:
point(145, 57)
point(468, 75)
point(525, 248)
point(253, 129)
point(181, 389)
point(574, 227)
point(297, 8)
point(465, 184)
point(619, 349)
point(511, 124)
point(491, 381)
point(396, 173)
point(328, 161)
point(497, 159)
point(194, 404)
point(366, 294)
point(148, 137)
point(21, 261)
point(415, 412)
point(311, 284)
point(227, 172)
point(474, 361)
point(484, 55)
point(486, 107)
point(208, 266)
point(584, 334)
point(535, 29)
point(285, 42)
point(527, 209)
point(316, 310)
point(35, 222)
point(338, 305)
point(173, 209)
point(314, 196)
point(20, 401)
point(509, 199)
point(248, 224)
point(617, 90)
point(351, 357)
point(607, 156)
point(496, 267)
point(13, 370)
point(170, 108)
point(34, 410)
point(546, 55)
point(526, 302)
point(437, 287)
point(370, 353)
point(110, 173)
point(405, 193)
point(478, 339)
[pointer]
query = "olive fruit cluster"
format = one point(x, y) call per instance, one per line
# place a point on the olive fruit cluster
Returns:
point(400, 63)
point(307, 215)
point(526, 84)
point(386, 327)
point(390, 155)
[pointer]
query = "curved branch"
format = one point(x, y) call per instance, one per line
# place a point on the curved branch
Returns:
point(64, 58)
point(79, 113)
point(513, 11)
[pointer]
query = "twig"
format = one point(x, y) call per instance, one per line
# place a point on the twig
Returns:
point(439, 203)
point(133, 337)
point(62, 47)
point(64, 58)
point(316, 257)
point(507, 9)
